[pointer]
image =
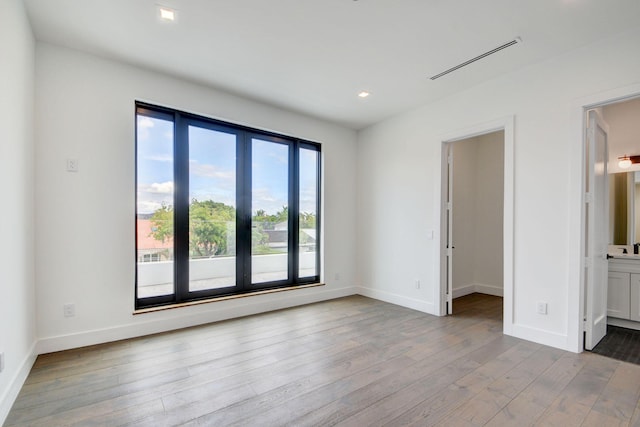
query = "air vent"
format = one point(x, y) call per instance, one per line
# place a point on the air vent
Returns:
point(477, 58)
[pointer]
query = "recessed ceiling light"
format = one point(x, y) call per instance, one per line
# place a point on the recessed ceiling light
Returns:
point(364, 94)
point(167, 14)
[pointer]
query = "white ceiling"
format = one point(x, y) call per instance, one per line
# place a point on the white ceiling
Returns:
point(314, 56)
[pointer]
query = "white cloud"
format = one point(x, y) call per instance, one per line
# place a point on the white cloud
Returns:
point(156, 188)
point(209, 171)
point(144, 124)
point(308, 200)
point(149, 199)
point(264, 199)
point(162, 187)
point(148, 206)
point(161, 158)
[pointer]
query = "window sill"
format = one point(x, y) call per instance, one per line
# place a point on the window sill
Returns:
point(223, 298)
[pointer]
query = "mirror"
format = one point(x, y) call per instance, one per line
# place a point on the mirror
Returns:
point(624, 208)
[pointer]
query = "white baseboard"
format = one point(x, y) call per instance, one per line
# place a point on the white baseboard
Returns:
point(16, 383)
point(248, 307)
point(540, 336)
point(463, 290)
point(478, 288)
point(623, 323)
point(482, 288)
point(413, 303)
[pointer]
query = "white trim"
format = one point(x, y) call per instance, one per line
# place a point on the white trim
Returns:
point(464, 290)
point(16, 383)
point(479, 288)
point(401, 300)
point(576, 291)
point(508, 125)
point(494, 290)
point(540, 336)
point(623, 323)
point(100, 336)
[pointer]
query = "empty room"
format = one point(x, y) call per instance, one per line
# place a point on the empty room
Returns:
point(340, 212)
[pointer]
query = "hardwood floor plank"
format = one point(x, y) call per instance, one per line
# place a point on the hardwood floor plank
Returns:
point(286, 412)
point(204, 355)
point(352, 361)
point(597, 419)
point(433, 409)
point(619, 398)
point(32, 413)
point(529, 405)
point(476, 336)
point(490, 398)
point(574, 404)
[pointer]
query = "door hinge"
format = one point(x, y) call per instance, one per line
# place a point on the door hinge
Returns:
point(449, 206)
point(588, 197)
point(587, 263)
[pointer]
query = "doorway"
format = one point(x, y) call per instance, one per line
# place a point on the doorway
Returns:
point(612, 298)
point(473, 224)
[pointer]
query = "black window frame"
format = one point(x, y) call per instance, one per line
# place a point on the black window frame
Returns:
point(244, 214)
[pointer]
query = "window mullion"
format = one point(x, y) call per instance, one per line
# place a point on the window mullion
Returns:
point(318, 213)
point(294, 211)
point(181, 194)
point(243, 213)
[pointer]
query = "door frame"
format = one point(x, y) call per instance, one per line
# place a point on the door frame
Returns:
point(577, 285)
point(507, 124)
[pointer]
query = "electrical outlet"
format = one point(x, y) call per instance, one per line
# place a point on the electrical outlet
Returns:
point(542, 307)
point(336, 277)
point(417, 284)
point(1, 361)
point(69, 310)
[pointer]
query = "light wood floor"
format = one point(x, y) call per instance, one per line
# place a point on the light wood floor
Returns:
point(349, 362)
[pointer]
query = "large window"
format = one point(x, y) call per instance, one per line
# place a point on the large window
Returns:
point(221, 209)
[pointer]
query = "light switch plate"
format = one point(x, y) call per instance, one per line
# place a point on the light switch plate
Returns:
point(72, 165)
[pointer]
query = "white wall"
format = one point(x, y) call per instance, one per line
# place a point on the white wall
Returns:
point(477, 214)
point(624, 132)
point(85, 220)
point(488, 259)
point(17, 303)
point(399, 185)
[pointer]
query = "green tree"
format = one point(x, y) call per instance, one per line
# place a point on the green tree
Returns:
point(307, 220)
point(162, 223)
point(282, 215)
point(211, 227)
point(260, 239)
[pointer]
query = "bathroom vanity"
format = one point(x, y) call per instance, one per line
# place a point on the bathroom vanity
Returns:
point(623, 293)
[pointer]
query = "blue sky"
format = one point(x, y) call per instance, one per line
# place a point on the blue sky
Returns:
point(212, 159)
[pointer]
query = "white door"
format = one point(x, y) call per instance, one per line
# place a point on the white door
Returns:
point(449, 219)
point(596, 198)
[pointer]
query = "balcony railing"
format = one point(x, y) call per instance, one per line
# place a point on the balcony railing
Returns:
point(156, 278)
